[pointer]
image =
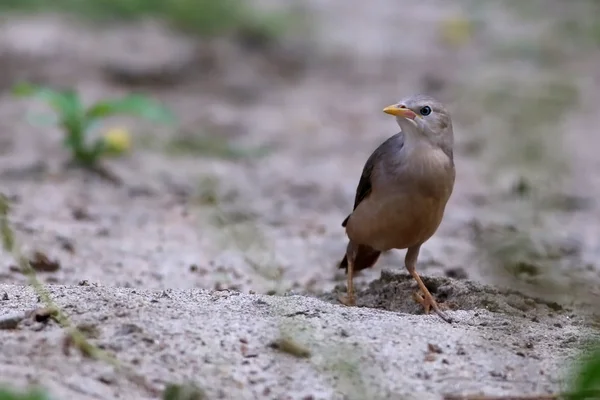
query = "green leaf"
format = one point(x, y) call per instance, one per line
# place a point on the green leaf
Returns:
point(34, 394)
point(188, 391)
point(132, 104)
point(68, 107)
point(587, 379)
point(65, 103)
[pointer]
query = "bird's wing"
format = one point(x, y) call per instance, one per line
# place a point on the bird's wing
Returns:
point(364, 184)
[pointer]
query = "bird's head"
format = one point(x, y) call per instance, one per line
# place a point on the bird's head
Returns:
point(425, 117)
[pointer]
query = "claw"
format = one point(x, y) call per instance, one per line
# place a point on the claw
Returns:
point(428, 302)
point(419, 298)
point(347, 300)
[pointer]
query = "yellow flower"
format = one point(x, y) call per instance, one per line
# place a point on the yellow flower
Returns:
point(117, 140)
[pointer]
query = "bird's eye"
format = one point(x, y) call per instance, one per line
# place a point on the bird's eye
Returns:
point(425, 110)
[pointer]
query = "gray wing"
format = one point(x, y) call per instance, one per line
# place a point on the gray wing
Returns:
point(363, 190)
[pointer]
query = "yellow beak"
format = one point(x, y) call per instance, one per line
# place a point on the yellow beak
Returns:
point(400, 112)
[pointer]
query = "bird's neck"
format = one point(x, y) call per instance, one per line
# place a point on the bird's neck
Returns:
point(412, 137)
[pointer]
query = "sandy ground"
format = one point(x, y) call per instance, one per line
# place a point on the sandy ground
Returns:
point(162, 265)
point(221, 340)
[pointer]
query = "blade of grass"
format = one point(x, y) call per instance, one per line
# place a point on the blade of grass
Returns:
point(132, 104)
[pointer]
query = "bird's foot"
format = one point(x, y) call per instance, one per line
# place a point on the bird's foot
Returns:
point(428, 302)
point(348, 300)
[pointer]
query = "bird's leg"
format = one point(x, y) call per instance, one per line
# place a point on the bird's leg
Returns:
point(427, 300)
point(349, 299)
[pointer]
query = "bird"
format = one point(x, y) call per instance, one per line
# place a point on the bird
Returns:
point(402, 193)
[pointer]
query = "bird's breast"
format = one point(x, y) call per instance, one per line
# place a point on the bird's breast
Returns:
point(426, 172)
point(406, 204)
point(395, 221)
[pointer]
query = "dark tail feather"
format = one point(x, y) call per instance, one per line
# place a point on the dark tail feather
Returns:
point(366, 257)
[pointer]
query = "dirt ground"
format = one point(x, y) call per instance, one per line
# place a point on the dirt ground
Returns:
point(247, 194)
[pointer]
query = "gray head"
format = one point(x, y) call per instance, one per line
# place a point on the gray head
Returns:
point(424, 116)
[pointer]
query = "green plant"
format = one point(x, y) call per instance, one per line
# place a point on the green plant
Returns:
point(586, 382)
point(76, 120)
point(187, 391)
point(33, 394)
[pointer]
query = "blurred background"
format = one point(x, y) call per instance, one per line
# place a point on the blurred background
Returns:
point(277, 105)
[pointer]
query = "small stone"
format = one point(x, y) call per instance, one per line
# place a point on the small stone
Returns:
point(41, 262)
point(434, 348)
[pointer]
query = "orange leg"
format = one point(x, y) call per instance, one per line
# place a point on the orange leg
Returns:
point(426, 300)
